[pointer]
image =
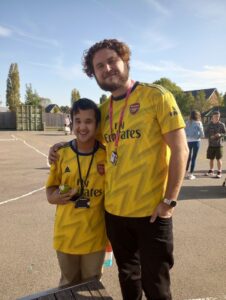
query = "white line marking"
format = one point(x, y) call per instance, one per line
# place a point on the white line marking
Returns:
point(25, 195)
point(32, 147)
point(14, 138)
point(7, 140)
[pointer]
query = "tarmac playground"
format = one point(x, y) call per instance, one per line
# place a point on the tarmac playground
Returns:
point(27, 259)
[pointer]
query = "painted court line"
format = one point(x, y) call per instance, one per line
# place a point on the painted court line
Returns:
point(14, 138)
point(32, 147)
point(7, 140)
point(22, 196)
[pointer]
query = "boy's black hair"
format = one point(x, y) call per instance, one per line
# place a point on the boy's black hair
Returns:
point(216, 112)
point(85, 104)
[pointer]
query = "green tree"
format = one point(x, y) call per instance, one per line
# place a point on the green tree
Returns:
point(220, 99)
point(200, 102)
point(65, 109)
point(44, 101)
point(13, 87)
point(74, 96)
point(103, 98)
point(176, 91)
point(31, 97)
point(169, 85)
point(224, 99)
point(189, 103)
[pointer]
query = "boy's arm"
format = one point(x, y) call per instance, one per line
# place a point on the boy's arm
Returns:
point(55, 197)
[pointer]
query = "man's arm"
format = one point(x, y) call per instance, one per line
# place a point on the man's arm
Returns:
point(53, 156)
point(176, 140)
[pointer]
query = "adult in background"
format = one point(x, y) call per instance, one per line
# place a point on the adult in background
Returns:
point(215, 132)
point(194, 132)
point(143, 131)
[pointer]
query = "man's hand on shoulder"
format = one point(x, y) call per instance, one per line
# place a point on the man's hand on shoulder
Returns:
point(53, 156)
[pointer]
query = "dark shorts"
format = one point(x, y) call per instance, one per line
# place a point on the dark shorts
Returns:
point(214, 152)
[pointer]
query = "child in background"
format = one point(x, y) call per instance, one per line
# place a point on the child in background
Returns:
point(194, 132)
point(215, 133)
point(76, 185)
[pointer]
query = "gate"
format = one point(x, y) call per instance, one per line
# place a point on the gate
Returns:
point(29, 117)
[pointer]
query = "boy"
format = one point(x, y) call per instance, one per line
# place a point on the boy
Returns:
point(79, 231)
point(215, 133)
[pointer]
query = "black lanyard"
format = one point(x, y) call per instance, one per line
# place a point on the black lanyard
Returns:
point(80, 174)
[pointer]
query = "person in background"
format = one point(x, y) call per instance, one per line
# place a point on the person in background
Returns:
point(67, 125)
point(76, 186)
point(143, 131)
point(215, 133)
point(194, 132)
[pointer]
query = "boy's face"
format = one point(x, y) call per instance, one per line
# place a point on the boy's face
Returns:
point(84, 125)
point(216, 118)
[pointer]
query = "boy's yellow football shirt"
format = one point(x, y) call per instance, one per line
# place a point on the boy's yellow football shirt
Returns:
point(80, 230)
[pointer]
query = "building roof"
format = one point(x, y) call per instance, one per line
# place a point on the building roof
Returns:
point(208, 92)
point(221, 109)
point(49, 107)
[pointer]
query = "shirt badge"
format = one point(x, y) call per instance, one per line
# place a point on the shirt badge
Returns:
point(134, 108)
point(100, 169)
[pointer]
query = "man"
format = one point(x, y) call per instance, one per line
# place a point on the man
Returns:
point(143, 131)
point(215, 132)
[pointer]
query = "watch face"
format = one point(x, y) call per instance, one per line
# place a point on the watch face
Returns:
point(173, 203)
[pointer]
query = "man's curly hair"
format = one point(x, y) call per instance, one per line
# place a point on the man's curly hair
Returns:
point(119, 47)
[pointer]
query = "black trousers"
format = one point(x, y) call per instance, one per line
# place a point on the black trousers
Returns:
point(144, 255)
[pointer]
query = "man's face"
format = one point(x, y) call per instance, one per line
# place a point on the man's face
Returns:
point(111, 72)
point(84, 125)
point(216, 118)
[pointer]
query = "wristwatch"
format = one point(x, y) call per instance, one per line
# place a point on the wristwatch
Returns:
point(169, 202)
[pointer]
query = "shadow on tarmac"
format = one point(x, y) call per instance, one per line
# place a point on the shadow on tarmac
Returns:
point(202, 192)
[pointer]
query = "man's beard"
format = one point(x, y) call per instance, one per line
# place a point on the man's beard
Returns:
point(111, 87)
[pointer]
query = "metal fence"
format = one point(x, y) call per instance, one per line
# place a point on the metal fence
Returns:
point(53, 121)
point(7, 120)
point(30, 117)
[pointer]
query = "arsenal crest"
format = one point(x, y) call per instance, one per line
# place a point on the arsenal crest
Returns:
point(134, 108)
point(100, 169)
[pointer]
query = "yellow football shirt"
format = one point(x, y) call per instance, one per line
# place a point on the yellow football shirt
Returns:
point(137, 183)
point(80, 230)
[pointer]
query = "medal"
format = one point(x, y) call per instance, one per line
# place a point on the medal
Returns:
point(114, 158)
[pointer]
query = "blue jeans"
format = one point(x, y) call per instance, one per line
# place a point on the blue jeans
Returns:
point(193, 151)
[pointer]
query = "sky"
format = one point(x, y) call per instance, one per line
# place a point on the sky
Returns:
point(184, 41)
